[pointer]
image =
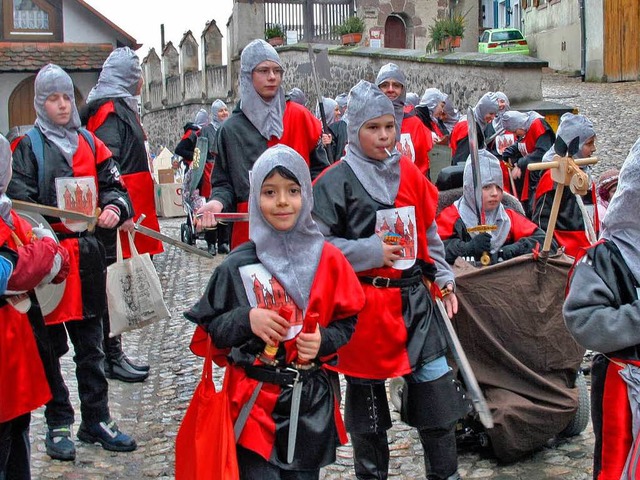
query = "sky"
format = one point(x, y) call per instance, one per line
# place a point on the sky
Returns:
point(142, 19)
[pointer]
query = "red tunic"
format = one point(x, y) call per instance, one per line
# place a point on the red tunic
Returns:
point(460, 131)
point(521, 226)
point(574, 238)
point(378, 347)
point(421, 140)
point(23, 383)
point(332, 301)
point(140, 187)
point(536, 129)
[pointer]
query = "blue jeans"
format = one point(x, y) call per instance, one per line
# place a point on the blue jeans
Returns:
point(429, 371)
point(426, 373)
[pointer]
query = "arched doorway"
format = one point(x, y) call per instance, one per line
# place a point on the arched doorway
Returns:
point(395, 32)
point(21, 111)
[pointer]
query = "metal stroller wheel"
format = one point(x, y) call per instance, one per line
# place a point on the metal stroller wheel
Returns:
point(396, 386)
point(187, 234)
point(184, 229)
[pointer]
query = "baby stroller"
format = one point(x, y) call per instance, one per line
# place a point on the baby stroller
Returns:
point(191, 198)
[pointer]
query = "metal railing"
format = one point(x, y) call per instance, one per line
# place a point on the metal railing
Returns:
point(313, 20)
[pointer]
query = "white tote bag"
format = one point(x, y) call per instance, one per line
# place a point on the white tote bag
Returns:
point(134, 294)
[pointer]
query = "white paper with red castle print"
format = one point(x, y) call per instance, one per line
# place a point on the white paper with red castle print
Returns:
point(405, 146)
point(397, 226)
point(503, 141)
point(264, 291)
point(78, 194)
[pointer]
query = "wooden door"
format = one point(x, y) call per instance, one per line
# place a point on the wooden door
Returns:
point(21, 111)
point(621, 40)
point(395, 32)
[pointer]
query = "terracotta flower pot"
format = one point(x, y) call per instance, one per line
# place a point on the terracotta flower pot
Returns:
point(276, 41)
point(351, 38)
point(455, 42)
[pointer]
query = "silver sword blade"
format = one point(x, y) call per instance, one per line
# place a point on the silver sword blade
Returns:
point(472, 135)
point(293, 420)
point(171, 241)
point(473, 388)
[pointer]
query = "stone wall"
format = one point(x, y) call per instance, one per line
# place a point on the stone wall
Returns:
point(464, 76)
point(177, 86)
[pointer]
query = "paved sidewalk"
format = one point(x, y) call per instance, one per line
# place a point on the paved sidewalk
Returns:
point(152, 411)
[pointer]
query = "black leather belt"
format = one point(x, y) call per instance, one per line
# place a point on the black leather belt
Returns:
point(280, 375)
point(386, 282)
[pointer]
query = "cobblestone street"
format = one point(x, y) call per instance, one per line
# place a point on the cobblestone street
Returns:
point(152, 411)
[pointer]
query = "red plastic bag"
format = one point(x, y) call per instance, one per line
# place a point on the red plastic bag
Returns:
point(205, 445)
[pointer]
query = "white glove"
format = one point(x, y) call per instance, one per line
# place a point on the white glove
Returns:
point(42, 232)
point(55, 268)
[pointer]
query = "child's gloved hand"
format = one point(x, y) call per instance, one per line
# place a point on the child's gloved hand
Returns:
point(512, 151)
point(479, 244)
point(42, 232)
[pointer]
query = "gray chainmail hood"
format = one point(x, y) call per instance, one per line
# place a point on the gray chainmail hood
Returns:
point(265, 116)
point(391, 71)
point(215, 108)
point(202, 118)
point(342, 102)
point(381, 179)
point(329, 105)
point(292, 256)
point(488, 103)
point(621, 223)
point(490, 173)
point(119, 78)
point(572, 126)
point(512, 120)
point(52, 79)
point(431, 98)
point(298, 96)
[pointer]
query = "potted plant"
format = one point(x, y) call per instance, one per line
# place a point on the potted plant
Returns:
point(351, 30)
point(437, 35)
point(454, 29)
point(274, 34)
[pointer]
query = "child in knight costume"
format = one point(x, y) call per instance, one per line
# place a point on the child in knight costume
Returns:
point(28, 258)
point(515, 234)
point(61, 165)
point(571, 230)
point(602, 312)
point(286, 264)
point(379, 209)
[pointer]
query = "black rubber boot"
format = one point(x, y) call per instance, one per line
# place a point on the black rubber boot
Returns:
point(137, 366)
point(440, 454)
point(116, 366)
point(370, 455)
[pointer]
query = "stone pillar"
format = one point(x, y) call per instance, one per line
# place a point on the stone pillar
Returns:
point(211, 42)
point(247, 24)
point(170, 66)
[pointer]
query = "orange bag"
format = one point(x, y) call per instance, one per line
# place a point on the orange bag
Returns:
point(205, 445)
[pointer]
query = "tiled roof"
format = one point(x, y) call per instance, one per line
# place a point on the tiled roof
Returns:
point(31, 56)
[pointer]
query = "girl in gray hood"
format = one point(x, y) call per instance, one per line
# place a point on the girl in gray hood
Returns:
point(287, 264)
